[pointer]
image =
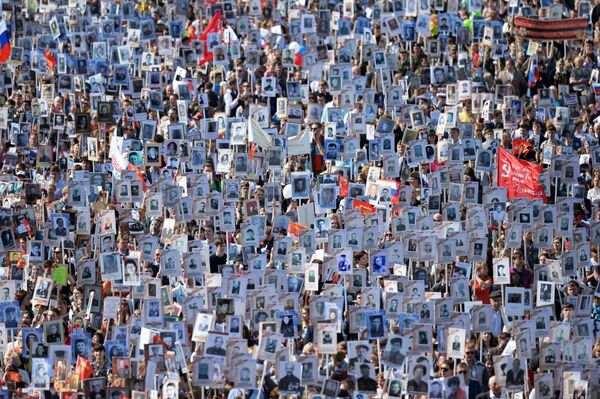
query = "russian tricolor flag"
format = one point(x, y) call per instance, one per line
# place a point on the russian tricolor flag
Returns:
point(534, 74)
point(4, 43)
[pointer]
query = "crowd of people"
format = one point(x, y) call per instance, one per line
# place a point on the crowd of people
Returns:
point(253, 199)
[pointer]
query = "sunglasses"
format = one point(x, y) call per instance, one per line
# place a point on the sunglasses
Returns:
point(445, 369)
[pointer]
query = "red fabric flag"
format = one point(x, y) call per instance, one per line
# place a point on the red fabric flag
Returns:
point(215, 25)
point(343, 186)
point(295, 228)
point(28, 228)
point(252, 151)
point(521, 178)
point(365, 207)
point(519, 145)
point(84, 368)
point(191, 32)
point(50, 59)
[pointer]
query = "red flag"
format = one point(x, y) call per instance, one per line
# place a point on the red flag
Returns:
point(252, 151)
point(519, 145)
point(28, 228)
point(365, 207)
point(215, 25)
point(84, 368)
point(50, 59)
point(191, 32)
point(343, 186)
point(295, 228)
point(521, 178)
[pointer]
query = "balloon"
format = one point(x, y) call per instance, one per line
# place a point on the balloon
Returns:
point(287, 191)
point(302, 50)
point(294, 46)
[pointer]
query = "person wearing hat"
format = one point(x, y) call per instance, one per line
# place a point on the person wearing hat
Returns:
point(497, 322)
point(362, 355)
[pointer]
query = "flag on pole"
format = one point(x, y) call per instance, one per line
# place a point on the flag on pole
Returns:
point(364, 207)
point(257, 135)
point(215, 25)
point(343, 186)
point(534, 74)
point(50, 59)
point(295, 228)
point(84, 368)
point(300, 143)
point(4, 42)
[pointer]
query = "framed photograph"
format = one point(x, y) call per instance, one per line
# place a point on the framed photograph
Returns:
point(300, 185)
point(514, 301)
point(216, 344)
point(422, 338)
point(53, 332)
point(501, 270)
point(545, 293)
point(202, 371)
point(153, 310)
point(289, 376)
point(455, 343)
point(92, 298)
point(42, 291)
point(40, 373)
point(330, 388)
point(326, 337)
point(376, 324)
point(110, 266)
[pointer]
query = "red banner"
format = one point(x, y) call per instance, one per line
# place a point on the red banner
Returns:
point(519, 145)
point(295, 228)
point(343, 186)
point(84, 368)
point(560, 29)
point(365, 207)
point(215, 25)
point(521, 178)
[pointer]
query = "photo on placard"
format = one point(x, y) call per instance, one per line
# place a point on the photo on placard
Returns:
point(326, 334)
point(43, 289)
point(153, 310)
point(40, 373)
point(376, 324)
point(422, 340)
point(53, 332)
point(545, 293)
point(514, 301)
point(300, 185)
point(501, 270)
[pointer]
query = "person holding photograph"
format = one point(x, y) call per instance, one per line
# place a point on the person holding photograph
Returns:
point(482, 283)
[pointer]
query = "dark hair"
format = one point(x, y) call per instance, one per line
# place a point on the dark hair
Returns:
point(420, 366)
